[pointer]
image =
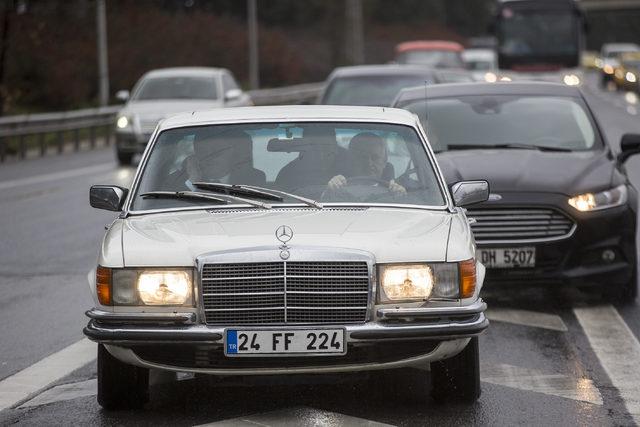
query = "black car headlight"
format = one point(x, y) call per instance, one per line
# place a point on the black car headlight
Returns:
point(603, 200)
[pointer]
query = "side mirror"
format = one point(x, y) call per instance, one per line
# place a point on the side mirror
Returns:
point(467, 193)
point(107, 197)
point(232, 94)
point(122, 95)
point(629, 145)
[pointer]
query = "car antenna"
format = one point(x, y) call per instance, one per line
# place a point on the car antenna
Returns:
point(425, 104)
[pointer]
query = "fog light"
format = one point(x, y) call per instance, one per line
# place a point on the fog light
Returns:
point(608, 255)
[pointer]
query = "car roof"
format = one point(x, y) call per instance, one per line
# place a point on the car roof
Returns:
point(380, 70)
point(499, 88)
point(429, 45)
point(291, 113)
point(183, 72)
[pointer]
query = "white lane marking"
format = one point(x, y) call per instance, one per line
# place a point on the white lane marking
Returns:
point(63, 392)
point(527, 318)
point(300, 416)
point(39, 179)
point(618, 350)
point(580, 389)
point(20, 386)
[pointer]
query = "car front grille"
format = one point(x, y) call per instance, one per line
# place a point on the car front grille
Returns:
point(285, 292)
point(519, 225)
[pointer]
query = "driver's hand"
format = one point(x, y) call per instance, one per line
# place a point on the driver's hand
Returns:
point(337, 182)
point(394, 187)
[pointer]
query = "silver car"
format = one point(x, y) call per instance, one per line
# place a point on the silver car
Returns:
point(288, 240)
point(165, 92)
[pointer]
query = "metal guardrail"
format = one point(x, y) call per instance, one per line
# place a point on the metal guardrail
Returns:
point(20, 133)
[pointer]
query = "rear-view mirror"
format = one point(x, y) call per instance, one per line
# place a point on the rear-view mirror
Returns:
point(467, 193)
point(629, 145)
point(232, 94)
point(107, 197)
point(122, 95)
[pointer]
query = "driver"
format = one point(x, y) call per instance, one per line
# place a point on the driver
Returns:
point(368, 153)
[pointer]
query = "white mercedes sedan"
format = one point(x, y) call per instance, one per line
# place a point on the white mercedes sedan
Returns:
point(289, 240)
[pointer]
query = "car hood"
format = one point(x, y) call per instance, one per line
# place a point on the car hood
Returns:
point(177, 238)
point(522, 170)
point(161, 109)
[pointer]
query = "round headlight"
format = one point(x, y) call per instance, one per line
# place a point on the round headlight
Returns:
point(122, 122)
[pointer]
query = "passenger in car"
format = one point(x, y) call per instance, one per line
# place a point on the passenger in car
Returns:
point(223, 158)
point(369, 159)
point(320, 158)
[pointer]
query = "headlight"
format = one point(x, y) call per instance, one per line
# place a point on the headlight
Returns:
point(490, 77)
point(164, 287)
point(603, 200)
point(419, 282)
point(123, 122)
point(571, 80)
point(139, 287)
point(608, 69)
point(631, 78)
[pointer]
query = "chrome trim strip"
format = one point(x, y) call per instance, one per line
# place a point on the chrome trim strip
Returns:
point(430, 312)
point(226, 279)
point(284, 266)
point(367, 332)
point(106, 316)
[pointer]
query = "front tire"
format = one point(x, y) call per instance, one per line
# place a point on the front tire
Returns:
point(120, 386)
point(457, 378)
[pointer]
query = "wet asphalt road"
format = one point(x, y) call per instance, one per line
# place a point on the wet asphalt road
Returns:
point(541, 371)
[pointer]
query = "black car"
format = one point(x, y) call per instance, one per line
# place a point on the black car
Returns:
point(561, 210)
point(377, 85)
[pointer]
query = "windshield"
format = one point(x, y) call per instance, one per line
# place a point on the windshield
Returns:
point(325, 162)
point(176, 88)
point(432, 58)
point(538, 33)
point(370, 90)
point(488, 120)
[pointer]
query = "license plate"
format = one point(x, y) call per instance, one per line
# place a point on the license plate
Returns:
point(524, 257)
point(295, 342)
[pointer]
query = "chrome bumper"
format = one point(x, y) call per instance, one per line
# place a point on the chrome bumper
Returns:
point(443, 323)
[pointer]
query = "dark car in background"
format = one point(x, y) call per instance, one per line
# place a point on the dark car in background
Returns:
point(377, 85)
point(562, 210)
point(627, 74)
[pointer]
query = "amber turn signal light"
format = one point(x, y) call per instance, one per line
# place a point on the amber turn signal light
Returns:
point(467, 278)
point(103, 285)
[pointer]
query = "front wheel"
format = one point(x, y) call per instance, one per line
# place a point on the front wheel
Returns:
point(457, 378)
point(124, 158)
point(120, 386)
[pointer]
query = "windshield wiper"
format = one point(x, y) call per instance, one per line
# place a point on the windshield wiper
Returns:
point(254, 191)
point(195, 195)
point(514, 145)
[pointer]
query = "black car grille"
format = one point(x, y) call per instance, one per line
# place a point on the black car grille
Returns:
point(519, 225)
point(285, 293)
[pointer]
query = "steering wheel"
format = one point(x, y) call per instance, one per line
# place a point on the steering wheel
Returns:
point(367, 180)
